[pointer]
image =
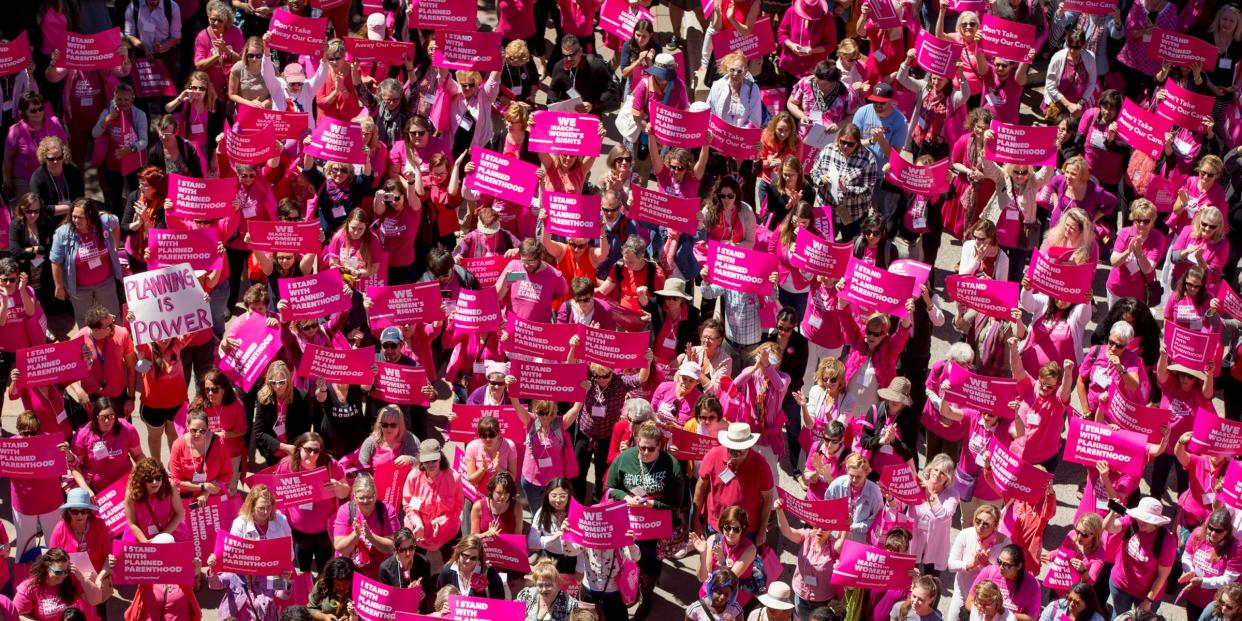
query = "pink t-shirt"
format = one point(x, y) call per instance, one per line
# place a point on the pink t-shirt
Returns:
point(812, 577)
point(24, 142)
point(382, 523)
point(1186, 313)
point(1023, 599)
point(105, 458)
point(545, 458)
point(312, 518)
point(1135, 565)
point(517, 19)
point(1205, 564)
point(1127, 280)
point(94, 264)
point(477, 454)
point(1183, 404)
point(1044, 420)
point(54, 26)
point(430, 499)
point(529, 297)
point(49, 407)
point(1100, 375)
point(43, 602)
point(398, 230)
point(154, 515)
point(14, 334)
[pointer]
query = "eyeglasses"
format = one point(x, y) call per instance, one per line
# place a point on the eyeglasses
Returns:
point(388, 425)
point(106, 414)
point(624, 158)
point(496, 382)
point(54, 158)
point(197, 432)
point(487, 435)
point(727, 195)
point(710, 338)
point(257, 56)
point(1008, 565)
point(731, 529)
point(468, 558)
point(312, 450)
point(872, 232)
point(847, 144)
point(212, 389)
point(876, 334)
point(1141, 220)
point(1117, 344)
point(406, 550)
point(79, 511)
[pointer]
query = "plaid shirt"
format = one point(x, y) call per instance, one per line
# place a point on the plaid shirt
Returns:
point(740, 312)
point(862, 173)
point(611, 399)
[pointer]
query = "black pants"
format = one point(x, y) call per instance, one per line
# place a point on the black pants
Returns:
point(237, 269)
point(312, 548)
point(589, 451)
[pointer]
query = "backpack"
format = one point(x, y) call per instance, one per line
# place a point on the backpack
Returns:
point(167, 10)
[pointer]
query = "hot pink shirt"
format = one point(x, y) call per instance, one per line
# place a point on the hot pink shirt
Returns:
point(1135, 565)
point(94, 265)
point(1127, 280)
point(430, 499)
point(398, 230)
point(1044, 420)
point(105, 458)
point(24, 142)
point(14, 334)
point(1203, 561)
point(476, 453)
point(528, 298)
point(312, 518)
point(43, 603)
point(54, 26)
point(36, 496)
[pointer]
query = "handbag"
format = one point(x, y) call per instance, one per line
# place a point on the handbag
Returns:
point(627, 580)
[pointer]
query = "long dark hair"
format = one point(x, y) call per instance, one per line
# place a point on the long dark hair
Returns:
point(1091, 604)
point(1219, 519)
point(339, 568)
point(101, 404)
point(295, 462)
point(69, 590)
point(222, 381)
point(546, 511)
point(1145, 327)
point(1015, 551)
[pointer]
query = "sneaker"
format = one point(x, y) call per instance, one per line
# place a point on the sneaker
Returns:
point(683, 551)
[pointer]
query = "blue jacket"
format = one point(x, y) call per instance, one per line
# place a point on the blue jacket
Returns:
point(65, 250)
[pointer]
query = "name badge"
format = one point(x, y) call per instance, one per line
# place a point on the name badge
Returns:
point(196, 128)
point(727, 475)
point(810, 581)
point(338, 212)
point(597, 411)
point(94, 263)
point(545, 462)
point(199, 477)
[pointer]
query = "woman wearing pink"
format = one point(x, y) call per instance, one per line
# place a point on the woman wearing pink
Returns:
point(826, 459)
point(1198, 191)
point(1184, 392)
point(805, 37)
point(81, 529)
point(1207, 475)
point(397, 217)
point(363, 528)
point(761, 389)
point(1114, 364)
point(967, 34)
point(872, 361)
point(310, 522)
point(22, 143)
point(1191, 306)
point(933, 518)
point(35, 501)
point(549, 449)
point(433, 497)
point(218, 46)
point(1085, 547)
point(816, 558)
point(1042, 401)
point(103, 449)
point(1136, 255)
point(1056, 331)
point(151, 506)
point(1212, 559)
point(975, 548)
point(677, 172)
point(1203, 243)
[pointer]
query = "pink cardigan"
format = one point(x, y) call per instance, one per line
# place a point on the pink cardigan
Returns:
point(885, 358)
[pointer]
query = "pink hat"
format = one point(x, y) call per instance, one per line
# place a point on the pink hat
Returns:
point(294, 73)
point(811, 9)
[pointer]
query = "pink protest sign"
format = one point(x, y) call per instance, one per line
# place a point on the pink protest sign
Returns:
point(315, 296)
point(961, 6)
point(564, 133)
point(476, 311)
point(296, 34)
point(1147, 420)
point(1061, 575)
point(285, 123)
point(883, 14)
point(1190, 347)
point(929, 180)
point(153, 563)
point(35, 457)
point(869, 567)
point(575, 216)
point(1230, 302)
point(687, 445)
point(980, 392)
point(260, 344)
point(648, 523)
point(1023, 144)
point(404, 304)
point(465, 608)
point(464, 425)
point(201, 199)
point(740, 269)
point(1090, 7)
point(90, 52)
point(389, 52)
point(469, 51)
point(1089, 442)
point(619, 16)
point(111, 503)
point(602, 527)
point(1014, 478)
point(1184, 108)
point(507, 552)
point(389, 479)
point(1215, 436)
point(994, 298)
point(820, 257)
point(376, 601)
point(917, 270)
point(502, 176)
point(1068, 283)
point(15, 55)
point(1231, 490)
point(551, 381)
point(297, 237)
point(1162, 192)
point(485, 269)
point(335, 141)
point(54, 363)
point(399, 383)
point(1180, 49)
point(936, 56)
point(678, 128)
point(291, 489)
point(251, 147)
point(207, 519)
point(832, 514)
point(538, 340)
point(198, 247)
point(151, 79)
point(338, 366)
point(253, 557)
point(327, 4)
point(900, 480)
point(742, 142)
point(1142, 130)
point(615, 350)
point(873, 287)
point(1002, 38)
point(444, 15)
point(759, 42)
point(678, 213)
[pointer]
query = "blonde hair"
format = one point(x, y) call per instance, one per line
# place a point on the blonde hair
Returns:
point(516, 53)
point(47, 144)
point(941, 462)
point(1142, 207)
point(856, 460)
point(723, 64)
point(544, 569)
point(847, 47)
point(267, 395)
point(257, 493)
point(1056, 237)
point(388, 411)
point(516, 113)
point(987, 592)
point(1237, 21)
point(1213, 216)
point(472, 76)
point(826, 366)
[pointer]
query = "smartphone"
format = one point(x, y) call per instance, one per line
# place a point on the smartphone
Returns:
point(515, 276)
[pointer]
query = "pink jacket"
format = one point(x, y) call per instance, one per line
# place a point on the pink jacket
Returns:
point(884, 359)
point(435, 504)
point(748, 384)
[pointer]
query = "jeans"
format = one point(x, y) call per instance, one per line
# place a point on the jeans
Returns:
point(534, 495)
point(803, 608)
point(589, 451)
point(1122, 602)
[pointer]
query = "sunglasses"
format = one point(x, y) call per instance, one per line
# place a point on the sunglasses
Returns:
point(487, 436)
point(312, 450)
point(545, 413)
point(418, 132)
point(832, 439)
point(257, 56)
point(406, 550)
point(731, 529)
point(611, 209)
point(648, 449)
point(983, 524)
point(727, 195)
point(496, 383)
point(583, 300)
point(1119, 344)
point(390, 346)
point(212, 389)
point(708, 419)
point(875, 334)
point(849, 144)
point(1216, 529)
point(469, 558)
point(8, 280)
point(1008, 565)
point(784, 329)
point(156, 478)
point(1208, 227)
point(57, 572)
point(601, 375)
point(677, 168)
point(872, 232)
point(79, 511)
point(388, 425)
point(1141, 220)
point(54, 158)
point(625, 158)
point(277, 382)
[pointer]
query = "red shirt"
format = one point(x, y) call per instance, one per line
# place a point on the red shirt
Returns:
point(214, 467)
point(726, 487)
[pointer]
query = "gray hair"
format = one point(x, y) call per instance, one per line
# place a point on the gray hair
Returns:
point(638, 410)
point(363, 483)
point(391, 87)
point(635, 244)
point(961, 353)
point(217, 7)
point(1122, 330)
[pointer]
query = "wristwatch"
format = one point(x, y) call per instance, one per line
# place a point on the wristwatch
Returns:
point(202, 487)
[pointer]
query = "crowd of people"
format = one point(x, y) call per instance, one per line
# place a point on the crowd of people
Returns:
point(805, 381)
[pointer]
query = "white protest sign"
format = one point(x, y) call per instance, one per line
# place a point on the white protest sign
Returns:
point(166, 303)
